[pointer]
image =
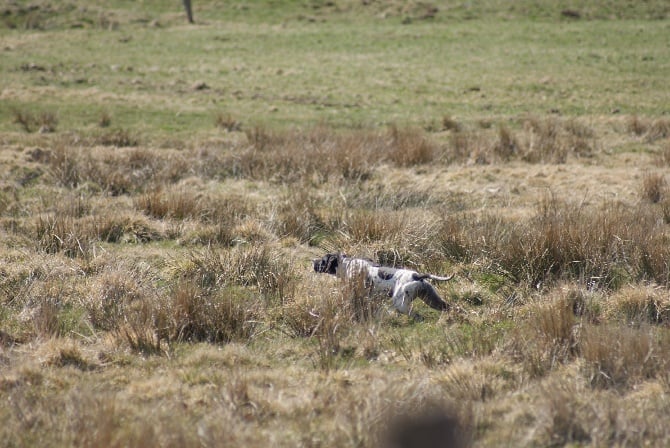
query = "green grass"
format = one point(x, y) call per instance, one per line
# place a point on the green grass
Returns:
point(362, 72)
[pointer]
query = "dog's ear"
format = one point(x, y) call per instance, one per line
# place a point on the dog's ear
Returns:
point(331, 264)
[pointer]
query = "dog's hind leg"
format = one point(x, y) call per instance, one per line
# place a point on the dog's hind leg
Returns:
point(431, 298)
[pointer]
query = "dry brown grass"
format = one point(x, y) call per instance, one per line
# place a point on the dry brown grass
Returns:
point(638, 305)
point(179, 204)
point(651, 129)
point(120, 171)
point(43, 122)
point(156, 237)
point(178, 279)
point(227, 122)
point(409, 147)
point(604, 247)
point(620, 356)
point(553, 140)
point(540, 140)
point(654, 187)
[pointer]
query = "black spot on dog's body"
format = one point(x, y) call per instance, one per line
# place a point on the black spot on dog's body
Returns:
point(417, 276)
point(386, 273)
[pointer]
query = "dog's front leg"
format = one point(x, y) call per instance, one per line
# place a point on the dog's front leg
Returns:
point(402, 299)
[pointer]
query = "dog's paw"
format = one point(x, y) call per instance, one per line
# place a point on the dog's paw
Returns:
point(417, 317)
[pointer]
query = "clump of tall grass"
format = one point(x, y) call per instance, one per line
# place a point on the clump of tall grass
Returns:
point(563, 415)
point(637, 305)
point(250, 266)
point(66, 353)
point(335, 317)
point(227, 122)
point(322, 154)
point(389, 197)
point(547, 339)
point(663, 155)
point(654, 187)
point(506, 146)
point(54, 235)
point(467, 146)
point(450, 124)
point(318, 155)
point(552, 140)
point(197, 314)
point(369, 226)
point(619, 356)
point(541, 140)
point(409, 147)
point(122, 171)
point(116, 294)
point(299, 215)
point(175, 204)
point(44, 122)
point(652, 130)
point(605, 246)
point(482, 147)
point(120, 138)
point(476, 380)
point(77, 237)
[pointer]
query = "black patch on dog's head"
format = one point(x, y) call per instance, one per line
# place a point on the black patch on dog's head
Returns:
point(326, 264)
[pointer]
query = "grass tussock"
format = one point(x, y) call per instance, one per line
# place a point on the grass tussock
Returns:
point(227, 122)
point(549, 340)
point(562, 416)
point(318, 155)
point(552, 141)
point(410, 147)
point(654, 187)
point(257, 266)
point(618, 356)
point(79, 237)
point(300, 215)
point(196, 314)
point(321, 154)
point(638, 306)
point(600, 248)
point(118, 172)
point(119, 138)
point(43, 122)
point(651, 130)
point(63, 235)
point(174, 204)
point(540, 140)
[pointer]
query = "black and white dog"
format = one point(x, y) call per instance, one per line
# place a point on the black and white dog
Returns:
point(402, 285)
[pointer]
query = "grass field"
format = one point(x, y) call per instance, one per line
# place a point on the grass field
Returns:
point(165, 186)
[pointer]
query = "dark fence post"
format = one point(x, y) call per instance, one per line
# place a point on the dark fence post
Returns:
point(189, 11)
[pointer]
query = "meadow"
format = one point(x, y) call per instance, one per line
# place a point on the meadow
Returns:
point(164, 187)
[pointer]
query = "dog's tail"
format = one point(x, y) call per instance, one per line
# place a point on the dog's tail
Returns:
point(437, 278)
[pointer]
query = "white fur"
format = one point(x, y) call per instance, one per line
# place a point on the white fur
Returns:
point(401, 285)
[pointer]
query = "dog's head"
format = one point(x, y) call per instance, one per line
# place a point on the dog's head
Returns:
point(326, 264)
